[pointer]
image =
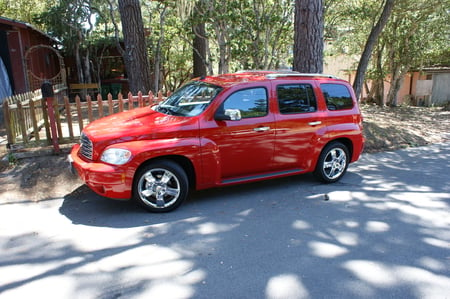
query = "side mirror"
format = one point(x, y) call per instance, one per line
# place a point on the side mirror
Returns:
point(229, 114)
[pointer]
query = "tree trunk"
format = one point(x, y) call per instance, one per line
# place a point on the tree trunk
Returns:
point(158, 52)
point(224, 49)
point(135, 54)
point(199, 50)
point(308, 36)
point(371, 40)
point(398, 76)
point(79, 63)
point(87, 67)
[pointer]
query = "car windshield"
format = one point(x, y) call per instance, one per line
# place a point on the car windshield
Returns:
point(189, 100)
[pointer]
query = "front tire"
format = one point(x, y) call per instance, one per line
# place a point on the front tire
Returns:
point(160, 186)
point(332, 163)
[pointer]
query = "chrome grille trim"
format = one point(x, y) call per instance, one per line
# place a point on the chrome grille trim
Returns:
point(86, 149)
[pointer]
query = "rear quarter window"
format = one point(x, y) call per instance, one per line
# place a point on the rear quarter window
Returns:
point(296, 98)
point(337, 96)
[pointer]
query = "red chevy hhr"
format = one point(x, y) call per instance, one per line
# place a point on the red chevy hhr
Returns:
point(223, 130)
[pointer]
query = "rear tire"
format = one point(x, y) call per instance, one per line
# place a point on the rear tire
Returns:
point(160, 186)
point(332, 163)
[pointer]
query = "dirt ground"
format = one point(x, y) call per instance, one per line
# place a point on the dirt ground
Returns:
point(47, 177)
point(387, 128)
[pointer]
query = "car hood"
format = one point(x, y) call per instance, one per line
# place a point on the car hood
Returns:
point(137, 124)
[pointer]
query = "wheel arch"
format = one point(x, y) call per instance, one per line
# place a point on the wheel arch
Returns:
point(182, 161)
point(347, 142)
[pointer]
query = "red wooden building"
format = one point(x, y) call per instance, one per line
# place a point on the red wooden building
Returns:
point(28, 55)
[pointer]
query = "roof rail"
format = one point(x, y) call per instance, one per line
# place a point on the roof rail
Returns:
point(293, 74)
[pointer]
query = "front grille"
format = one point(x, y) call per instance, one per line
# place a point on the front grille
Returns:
point(86, 147)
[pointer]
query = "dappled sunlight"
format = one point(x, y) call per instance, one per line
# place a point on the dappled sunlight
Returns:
point(163, 289)
point(374, 273)
point(377, 227)
point(422, 199)
point(437, 243)
point(66, 288)
point(156, 260)
point(424, 207)
point(380, 184)
point(347, 223)
point(326, 250)
point(210, 228)
point(422, 283)
point(345, 238)
point(341, 196)
point(300, 224)
point(417, 188)
point(432, 264)
point(372, 235)
point(286, 286)
point(164, 268)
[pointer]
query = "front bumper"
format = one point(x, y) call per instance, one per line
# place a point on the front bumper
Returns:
point(104, 179)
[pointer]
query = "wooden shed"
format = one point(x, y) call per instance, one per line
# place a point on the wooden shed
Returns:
point(25, 49)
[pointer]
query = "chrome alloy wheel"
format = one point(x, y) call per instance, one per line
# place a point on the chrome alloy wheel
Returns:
point(335, 163)
point(159, 188)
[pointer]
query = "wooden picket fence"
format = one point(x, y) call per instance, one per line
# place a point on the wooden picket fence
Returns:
point(23, 115)
point(28, 125)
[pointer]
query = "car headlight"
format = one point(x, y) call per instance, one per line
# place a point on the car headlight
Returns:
point(117, 156)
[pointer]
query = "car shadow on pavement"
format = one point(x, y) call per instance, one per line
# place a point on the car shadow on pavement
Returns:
point(83, 206)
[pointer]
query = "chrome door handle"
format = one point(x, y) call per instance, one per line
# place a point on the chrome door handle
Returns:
point(314, 123)
point(261, 129)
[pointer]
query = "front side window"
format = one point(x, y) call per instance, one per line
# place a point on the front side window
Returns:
point(296, 98)
point(337, 96)
point(189, 100)
point(250, 102)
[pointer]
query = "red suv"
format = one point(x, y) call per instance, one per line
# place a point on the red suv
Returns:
point(223, 130)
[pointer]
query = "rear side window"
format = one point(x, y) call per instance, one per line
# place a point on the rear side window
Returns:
point(337, 96)
point(296, 98)
point(251, 102)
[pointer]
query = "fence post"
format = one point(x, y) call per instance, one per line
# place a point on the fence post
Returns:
point(120, 99)
point(47, 93)
point(68, 116)
point(9, 132)
point(130, 101)
point(34, 120)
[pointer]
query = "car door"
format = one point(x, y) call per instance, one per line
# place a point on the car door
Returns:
point(300, 123)
point(246, 144)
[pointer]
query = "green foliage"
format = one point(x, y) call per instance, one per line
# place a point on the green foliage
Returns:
point(417, 29)
point(421, 27)
point(23, 10)
point(69, 21)
point(245, 34)
point(12, 160)
point(415, 36)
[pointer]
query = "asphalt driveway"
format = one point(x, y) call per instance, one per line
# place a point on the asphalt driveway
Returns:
point(382, 232)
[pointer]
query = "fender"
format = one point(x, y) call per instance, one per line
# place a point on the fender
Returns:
point(145, 150)
point(210, 175)
point(203, 154)
point(352, 133)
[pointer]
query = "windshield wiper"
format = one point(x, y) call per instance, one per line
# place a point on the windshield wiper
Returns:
point(167, 109)
point(164, 109)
